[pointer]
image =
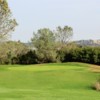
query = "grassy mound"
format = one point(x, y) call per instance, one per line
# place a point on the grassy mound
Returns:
point(67, 81)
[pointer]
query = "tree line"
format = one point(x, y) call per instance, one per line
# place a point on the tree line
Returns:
point(48, 46)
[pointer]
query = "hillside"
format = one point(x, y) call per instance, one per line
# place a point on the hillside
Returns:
point(79, 42)
point(88, 42)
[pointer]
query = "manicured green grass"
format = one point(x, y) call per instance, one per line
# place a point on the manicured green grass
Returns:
point(68, 81)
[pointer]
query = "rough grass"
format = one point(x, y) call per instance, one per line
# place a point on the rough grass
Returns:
point(68, 81)
point(95, 68)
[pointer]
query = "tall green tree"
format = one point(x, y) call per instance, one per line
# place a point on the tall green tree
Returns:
point(7, 23)
point(63, 35)
point(44, 42)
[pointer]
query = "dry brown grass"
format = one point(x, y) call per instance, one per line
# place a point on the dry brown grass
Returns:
point(97, 86)
point(94, 68)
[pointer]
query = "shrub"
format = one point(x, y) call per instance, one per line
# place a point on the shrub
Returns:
point(97, 85)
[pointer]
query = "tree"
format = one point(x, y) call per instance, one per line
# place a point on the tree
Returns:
point(44, 42)
point(7, 23)
point(63, 35)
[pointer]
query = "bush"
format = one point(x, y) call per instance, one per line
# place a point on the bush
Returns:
point(97, 85)
point(81, 54)
point(28, 58)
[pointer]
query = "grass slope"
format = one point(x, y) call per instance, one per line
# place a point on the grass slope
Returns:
point(68, 81)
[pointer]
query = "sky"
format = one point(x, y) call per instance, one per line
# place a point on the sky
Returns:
point(82, 15)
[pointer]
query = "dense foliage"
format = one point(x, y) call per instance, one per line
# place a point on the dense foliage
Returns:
point(48, 46)
point(83, 54)
point(19, 53)
point(9, 52)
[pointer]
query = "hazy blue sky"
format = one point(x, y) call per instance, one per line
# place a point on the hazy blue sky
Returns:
point(82, 15)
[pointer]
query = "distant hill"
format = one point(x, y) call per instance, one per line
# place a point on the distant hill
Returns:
point(88, 42)
point(80, 42)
